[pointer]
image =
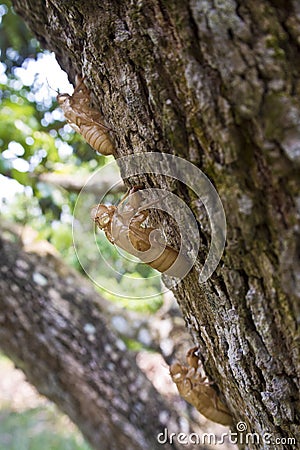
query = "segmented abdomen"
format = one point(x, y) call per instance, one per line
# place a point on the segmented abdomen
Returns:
point(165, 260)
point(98, 138)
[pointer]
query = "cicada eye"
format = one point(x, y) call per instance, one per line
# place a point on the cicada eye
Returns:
point(61, 98)
point(105, 219)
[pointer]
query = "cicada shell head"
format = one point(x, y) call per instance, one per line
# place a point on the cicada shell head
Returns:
point(177, 372)
point(61, 98)
point(101, 215)
point(65, 102)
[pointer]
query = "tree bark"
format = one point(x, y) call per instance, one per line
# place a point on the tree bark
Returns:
point(52, 327)
point(217, 84)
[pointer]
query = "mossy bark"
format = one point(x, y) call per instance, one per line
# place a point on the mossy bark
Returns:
point(218, 84)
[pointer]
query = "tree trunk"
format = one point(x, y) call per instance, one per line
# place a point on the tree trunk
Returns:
point(218, 85)
point(53, 328)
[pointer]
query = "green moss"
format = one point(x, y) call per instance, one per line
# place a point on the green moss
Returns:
point(133, 345)
point(273, 42)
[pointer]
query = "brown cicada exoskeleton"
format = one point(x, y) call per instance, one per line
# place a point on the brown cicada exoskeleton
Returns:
point(124, 228)
point(194, 387)
point(84, 119)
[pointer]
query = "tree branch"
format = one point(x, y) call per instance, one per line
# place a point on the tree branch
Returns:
point(52, 327)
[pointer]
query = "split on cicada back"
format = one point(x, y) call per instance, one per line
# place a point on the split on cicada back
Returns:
point(124, 227)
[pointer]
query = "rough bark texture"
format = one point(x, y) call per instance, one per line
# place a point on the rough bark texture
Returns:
point(218, 84)
point(52, 326)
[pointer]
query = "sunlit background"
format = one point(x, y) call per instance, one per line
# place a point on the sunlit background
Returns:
point(44, 163)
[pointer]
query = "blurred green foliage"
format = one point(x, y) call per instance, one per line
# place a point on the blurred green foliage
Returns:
point(31, 422)
point(35, 140)
point(16, 41)
point(37, 429)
